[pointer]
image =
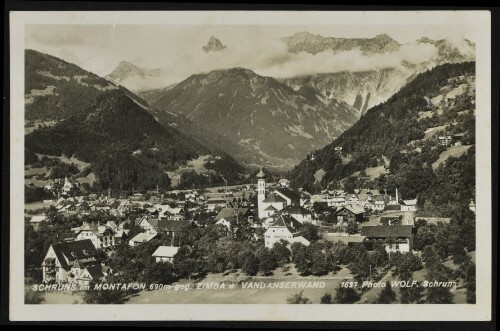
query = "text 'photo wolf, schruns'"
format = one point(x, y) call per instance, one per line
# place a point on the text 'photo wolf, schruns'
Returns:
point(249, 164)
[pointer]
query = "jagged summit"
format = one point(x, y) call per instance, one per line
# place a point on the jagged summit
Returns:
point(213, 45)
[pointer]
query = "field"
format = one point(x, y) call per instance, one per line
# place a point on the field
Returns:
point(239, 295)
point(454, 151)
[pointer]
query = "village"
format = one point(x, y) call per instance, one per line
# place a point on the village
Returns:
point(271, 213)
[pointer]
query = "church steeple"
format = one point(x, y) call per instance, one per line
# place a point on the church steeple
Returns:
point(261, 192)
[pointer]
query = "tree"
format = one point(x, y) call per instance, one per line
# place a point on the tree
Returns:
point(267, 263)
point(310, 232)
point(281, 253)
point(248, 262)
point(33, 297)
point(319, 264)
point(103, 297)
point(326, 299)
point(352, 227)
point(411, 294)
point(387, 295)
point(298, 298)
point(346, 295)
point(439, 295)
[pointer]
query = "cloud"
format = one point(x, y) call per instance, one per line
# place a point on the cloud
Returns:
point(270, 57)
point(57, 39)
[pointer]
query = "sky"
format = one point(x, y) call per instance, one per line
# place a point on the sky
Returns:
point(177, 49)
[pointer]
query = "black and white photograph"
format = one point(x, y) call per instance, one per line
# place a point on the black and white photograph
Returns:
point(213, 159)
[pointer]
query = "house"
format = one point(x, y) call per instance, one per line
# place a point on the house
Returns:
point(299, 213)
point(148, 224)
point(391, 220)
point(101, 236)
point(409, 205)
point(347, 214)
point(72, 262)
point(396, 238)
point(284, 227)
point(335, 201)
point(227, 215)
point(142, 237)
point(138, 197)
point(275, 201)
point(291, 198)
point(224, 222)
point(165, 253)
point(283, 182)
point(173, 227)
point(215, 203)
point(444, 140)
point(472, 206)
point(380, 202)
point(37, 220)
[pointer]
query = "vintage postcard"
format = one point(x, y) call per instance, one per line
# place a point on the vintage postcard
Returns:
point(250, 166)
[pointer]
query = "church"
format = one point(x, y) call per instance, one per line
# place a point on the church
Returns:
point(277, 200)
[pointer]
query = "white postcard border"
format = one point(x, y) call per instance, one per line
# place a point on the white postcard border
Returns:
point(480, 21)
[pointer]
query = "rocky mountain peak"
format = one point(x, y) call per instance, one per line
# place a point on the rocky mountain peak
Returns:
point(213, 45)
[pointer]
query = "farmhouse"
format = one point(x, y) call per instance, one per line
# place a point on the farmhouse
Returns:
point(349, 213)
point(396, 238)
point(142, 237)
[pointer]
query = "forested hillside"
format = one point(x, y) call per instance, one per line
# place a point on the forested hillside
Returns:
point(401, 135)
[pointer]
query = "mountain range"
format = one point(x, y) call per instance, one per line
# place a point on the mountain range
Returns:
point(394, 145)
point(314, 44)
point(278, 123)
point(361, 89)
point(111, 128)
point(365, 89)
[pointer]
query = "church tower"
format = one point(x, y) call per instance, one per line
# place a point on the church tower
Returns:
point(261, 192)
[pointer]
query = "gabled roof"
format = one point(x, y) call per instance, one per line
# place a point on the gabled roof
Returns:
point(410, 202)
point(144, 237)
point(68, 252)
point(271, 208)
point(353, 209)
point(295, 210)
point(173, 226)
point(289, 193)
point(95, 271)
point(165, 251)
point(273, 198)
point(287, 221)
point(229, 213)
point(393, 207)
point(38, 218)
point(387, 231)
point(216, 202)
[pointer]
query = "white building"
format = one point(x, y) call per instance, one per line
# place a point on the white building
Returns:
point(142, 237)
point(409, 205)
point(73, 262)
point(261, 193)
point(396, 238)
point(165, 253)
point(284, 227)
point(299, 213)
point(101, 236)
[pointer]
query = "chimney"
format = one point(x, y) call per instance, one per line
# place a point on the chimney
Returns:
point(109, 192)
point(397, 196)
